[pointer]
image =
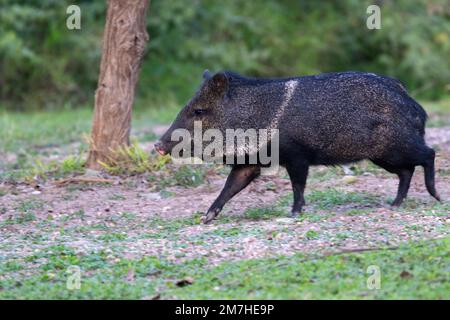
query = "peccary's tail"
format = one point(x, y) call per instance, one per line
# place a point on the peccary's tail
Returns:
point(428, 167)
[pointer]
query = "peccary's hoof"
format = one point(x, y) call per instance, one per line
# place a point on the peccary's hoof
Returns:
point(437, 197)
point(294, 214)
point(396, 203)
point(210, 215)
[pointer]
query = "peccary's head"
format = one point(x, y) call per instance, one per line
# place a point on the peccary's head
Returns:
point(207, 106)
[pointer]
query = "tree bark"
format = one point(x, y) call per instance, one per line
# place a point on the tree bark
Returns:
point(124, 40)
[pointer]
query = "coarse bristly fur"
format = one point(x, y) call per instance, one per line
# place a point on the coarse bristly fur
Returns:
point(326, 119)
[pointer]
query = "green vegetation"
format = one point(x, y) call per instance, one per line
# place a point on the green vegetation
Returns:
point(45, 65)
point(412, 271)
point(26, 212)
point(32, 132)
point(265, 213)
point(328, 198)
point(439, 113)
point(339, 276)
point(441, 107)
point(440, 209)
point(133, 159)
point(53, 145)
point(415, 270)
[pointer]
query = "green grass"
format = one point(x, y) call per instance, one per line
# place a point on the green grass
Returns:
point(31, 132)
point(357, 212)
point(169, 228)
point(34, 139)
point(265, 213)
point(22, 131)
point(435, 208)
point(41, 129)
point(324, 201)
point(330, 197)
point(441, 106)
point(324, 174)
point(412, 271)
point(338, 276)
point(131, 160)
point(188, 176)
point(25, 212)
point(439, 112)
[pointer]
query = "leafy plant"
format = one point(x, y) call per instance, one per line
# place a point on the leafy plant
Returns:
point(134, 160)
point(45, 65)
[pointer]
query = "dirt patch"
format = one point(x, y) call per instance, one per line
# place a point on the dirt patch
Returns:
point(439, 137)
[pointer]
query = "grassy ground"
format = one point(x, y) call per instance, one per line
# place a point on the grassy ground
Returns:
point(138, 236)
point(411, 271)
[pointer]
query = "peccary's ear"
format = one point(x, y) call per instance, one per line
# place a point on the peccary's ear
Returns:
point(206, 74)
point(219, 83)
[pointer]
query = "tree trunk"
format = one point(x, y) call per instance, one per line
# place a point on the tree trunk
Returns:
point(124, 40)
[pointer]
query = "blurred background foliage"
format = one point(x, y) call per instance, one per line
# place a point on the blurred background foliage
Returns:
point(43, 65)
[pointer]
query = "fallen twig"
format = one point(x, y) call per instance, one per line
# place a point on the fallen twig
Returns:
point(82, 179)
point(343, 251)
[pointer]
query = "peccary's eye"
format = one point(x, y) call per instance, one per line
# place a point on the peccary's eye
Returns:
point(199, 112)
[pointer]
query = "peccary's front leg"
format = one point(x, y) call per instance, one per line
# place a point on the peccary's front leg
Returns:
point(239, 177)
point(298, 173)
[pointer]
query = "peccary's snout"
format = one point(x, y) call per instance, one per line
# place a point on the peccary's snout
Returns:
point(159, 147)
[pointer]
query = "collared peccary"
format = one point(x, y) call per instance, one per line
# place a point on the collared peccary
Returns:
point(326, 119)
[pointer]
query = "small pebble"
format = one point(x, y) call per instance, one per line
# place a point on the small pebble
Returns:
point(349, 179)
point(285, 220)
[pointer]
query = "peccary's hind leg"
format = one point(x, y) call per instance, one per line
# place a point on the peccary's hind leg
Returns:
point(298, 173)
point(428, 167)
point(238, 179)
point(404, 174)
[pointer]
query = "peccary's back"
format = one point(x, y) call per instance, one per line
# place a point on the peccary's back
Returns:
point(349, 116)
